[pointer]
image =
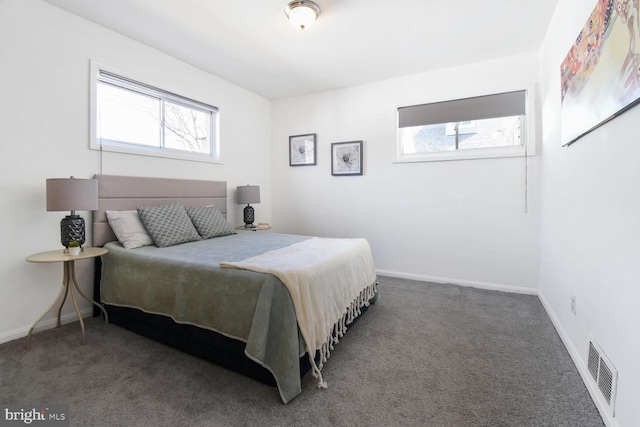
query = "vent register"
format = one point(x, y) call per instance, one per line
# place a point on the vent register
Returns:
point(604, 373)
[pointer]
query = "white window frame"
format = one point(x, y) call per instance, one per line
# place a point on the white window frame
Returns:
point(94, 144)
point(527, 148)
point(463, 128)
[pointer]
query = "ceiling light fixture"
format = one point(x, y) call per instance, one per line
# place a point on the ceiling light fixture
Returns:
point(302, 13)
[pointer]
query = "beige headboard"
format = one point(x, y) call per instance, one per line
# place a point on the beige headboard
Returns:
point(117, 193)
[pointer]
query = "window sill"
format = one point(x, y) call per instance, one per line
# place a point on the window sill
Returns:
point(484, 153)
point(151, 152)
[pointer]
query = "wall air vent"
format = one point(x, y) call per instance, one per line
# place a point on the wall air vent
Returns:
point(604, 374)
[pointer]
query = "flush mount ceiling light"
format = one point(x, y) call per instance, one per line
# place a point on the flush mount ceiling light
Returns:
point(302, 13)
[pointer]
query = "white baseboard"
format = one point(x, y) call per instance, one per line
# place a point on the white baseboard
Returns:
point(468, 283)
point(44, 325)
point(596, 396)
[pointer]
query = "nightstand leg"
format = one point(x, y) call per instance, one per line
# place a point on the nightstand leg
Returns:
point(75, 304)
point(64, 288)
point(75, 284)
point(65, 283)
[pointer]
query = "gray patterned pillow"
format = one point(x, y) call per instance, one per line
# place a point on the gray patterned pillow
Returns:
point(168, 225)
point(209, 222)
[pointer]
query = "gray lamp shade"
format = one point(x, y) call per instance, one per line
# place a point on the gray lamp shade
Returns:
point(72, 194)
point(248, 194)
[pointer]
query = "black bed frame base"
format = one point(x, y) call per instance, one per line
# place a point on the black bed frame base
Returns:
point(202, 343)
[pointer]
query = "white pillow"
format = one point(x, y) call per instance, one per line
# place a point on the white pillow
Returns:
point(128, 228)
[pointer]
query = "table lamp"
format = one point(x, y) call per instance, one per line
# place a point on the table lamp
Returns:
point(71, 194)
point(248, 194)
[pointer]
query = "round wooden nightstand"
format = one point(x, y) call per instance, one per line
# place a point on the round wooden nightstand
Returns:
point(68, 282)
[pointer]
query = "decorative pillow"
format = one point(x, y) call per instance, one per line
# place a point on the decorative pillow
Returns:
point(128, 228)
point(168, 225)
point(209, 222)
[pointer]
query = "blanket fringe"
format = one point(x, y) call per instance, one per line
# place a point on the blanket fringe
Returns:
point(339, 329)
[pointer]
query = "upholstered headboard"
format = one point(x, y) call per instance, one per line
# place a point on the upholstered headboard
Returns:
point(117, 193)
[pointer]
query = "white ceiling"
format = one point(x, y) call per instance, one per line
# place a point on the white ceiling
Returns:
point(252, 44)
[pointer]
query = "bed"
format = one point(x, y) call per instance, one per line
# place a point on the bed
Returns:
point(249, 301)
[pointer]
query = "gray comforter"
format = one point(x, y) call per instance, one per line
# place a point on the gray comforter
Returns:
point(186, 283)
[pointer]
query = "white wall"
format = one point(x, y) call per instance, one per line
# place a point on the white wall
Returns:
point(590, 226)
point(44, 114)
point(456, 221)
point(459, 221)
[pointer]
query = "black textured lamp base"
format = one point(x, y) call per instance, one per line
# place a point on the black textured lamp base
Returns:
point(249, 217)
point(72, 230)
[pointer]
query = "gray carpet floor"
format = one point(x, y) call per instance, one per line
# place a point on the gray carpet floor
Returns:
point(425, 354)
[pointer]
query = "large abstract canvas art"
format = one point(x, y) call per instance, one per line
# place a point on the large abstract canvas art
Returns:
point(600, 76)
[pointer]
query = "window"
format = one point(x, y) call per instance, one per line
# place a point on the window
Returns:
point(134, 117)
point(480, 127)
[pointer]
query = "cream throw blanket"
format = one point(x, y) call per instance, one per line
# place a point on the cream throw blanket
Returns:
point(329, 281)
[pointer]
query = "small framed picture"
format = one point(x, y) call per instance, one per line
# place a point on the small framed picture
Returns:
point(346, 158)
point(302, 150)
